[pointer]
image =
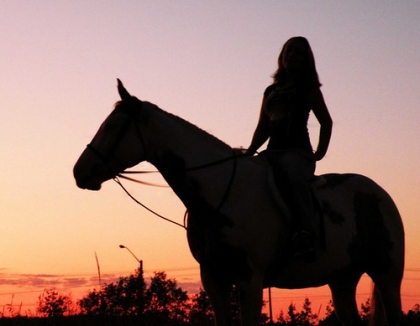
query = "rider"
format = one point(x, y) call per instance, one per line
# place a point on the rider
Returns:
point(283, 120)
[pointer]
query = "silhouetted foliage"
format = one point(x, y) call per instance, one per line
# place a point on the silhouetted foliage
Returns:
point(366, 310)
point(126, 297)
point(412, 318)
point(165, 301)
point(235, 307)
point(53, 304)
point(303, 318)
point(330, 318)
point(11, 309)
point(201, 312)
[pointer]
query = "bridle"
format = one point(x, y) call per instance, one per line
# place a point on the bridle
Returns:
point(109, 159)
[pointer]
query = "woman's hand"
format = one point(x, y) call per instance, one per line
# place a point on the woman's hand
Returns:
point(323, 116)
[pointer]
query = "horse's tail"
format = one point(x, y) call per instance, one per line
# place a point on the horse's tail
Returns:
point(377, 314)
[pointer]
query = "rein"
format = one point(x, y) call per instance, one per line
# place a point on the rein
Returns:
point(198, 167)
point(145, 207)
point(203, 166)
point(122, 176)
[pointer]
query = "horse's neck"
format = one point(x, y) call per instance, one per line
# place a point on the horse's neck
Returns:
point(168, 133)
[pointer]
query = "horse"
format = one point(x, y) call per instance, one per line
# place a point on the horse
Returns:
point(239, 226)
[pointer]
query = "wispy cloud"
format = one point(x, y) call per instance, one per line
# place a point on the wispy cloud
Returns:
point(190, 287)
point(33, 282)
point(40, 281)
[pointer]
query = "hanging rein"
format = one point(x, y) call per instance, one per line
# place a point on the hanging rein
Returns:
point(195, 168)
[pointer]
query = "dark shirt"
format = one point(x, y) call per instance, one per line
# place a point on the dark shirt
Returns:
point(288, 112)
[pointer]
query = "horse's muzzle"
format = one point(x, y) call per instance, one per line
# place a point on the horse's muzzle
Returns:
point(85, 180)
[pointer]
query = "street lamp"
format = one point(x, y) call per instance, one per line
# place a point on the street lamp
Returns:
point(141, 279)
point(138, 260)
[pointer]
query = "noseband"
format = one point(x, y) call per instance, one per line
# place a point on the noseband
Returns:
point(108, 157)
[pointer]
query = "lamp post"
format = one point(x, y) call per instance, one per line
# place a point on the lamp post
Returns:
point(135, 257)
point(141, 279)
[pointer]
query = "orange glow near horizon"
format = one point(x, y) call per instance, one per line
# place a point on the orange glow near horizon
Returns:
point(24, 297)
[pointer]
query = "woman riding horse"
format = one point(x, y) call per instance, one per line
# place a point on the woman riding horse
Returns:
point(283, 118)
point(238, 227)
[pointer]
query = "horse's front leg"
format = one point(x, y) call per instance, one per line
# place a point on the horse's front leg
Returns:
point(251, 297)
point(219, 293)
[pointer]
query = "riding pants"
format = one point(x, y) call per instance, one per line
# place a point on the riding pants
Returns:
point(292, 173)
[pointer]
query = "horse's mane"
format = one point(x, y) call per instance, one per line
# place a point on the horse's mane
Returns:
point(200, 132)
point(191, 126)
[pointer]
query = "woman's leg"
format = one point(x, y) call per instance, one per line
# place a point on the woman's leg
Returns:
point(297, 170)
point(293, 172)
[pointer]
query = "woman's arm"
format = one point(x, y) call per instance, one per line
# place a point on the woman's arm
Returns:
point(261, 132)
point(320, 110)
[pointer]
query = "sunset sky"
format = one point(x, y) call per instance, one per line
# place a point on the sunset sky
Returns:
point(208, 62)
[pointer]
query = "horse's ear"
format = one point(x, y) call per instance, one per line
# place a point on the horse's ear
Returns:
point(122, 91)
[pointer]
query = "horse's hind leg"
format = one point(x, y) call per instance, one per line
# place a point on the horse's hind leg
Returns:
point(390, 298)
point(344, 299)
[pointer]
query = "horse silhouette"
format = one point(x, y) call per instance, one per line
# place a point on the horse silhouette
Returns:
point(238, 225)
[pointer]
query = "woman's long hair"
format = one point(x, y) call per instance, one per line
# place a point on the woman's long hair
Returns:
point(308, 76)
